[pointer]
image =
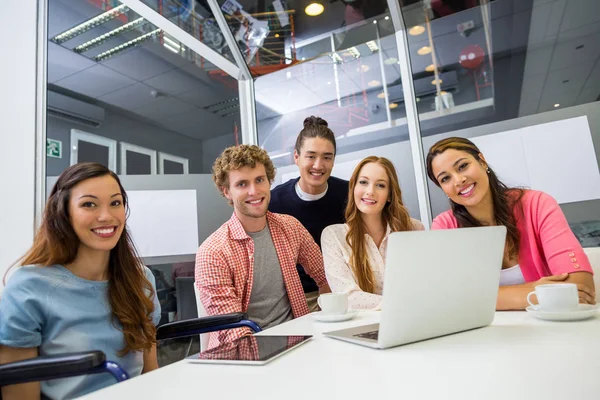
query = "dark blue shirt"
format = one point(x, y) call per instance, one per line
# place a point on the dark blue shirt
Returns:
point(314, 215)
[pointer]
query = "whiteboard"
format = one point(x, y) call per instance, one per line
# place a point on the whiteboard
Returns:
point(556, 157)
point(163, 222)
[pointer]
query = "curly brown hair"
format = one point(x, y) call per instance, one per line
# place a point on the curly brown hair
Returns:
point(236, 157)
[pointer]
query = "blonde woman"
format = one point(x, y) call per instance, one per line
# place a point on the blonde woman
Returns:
point(354, 252)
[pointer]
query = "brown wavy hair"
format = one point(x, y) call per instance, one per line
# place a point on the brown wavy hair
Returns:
point(129, 291)
point(393, 214)
point(315, 127)
point(504, 198)
point(236, 157)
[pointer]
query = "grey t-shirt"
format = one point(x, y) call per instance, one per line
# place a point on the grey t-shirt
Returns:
point(269, 303)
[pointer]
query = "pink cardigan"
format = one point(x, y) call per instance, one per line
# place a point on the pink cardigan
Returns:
point(547, 245)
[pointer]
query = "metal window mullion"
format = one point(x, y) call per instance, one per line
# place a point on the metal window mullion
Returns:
point(40, 111)
point(412, 115)
point(248, 111)
point(185, 38)
point(231, 42)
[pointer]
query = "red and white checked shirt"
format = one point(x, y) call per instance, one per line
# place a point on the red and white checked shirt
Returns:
point(225, 266)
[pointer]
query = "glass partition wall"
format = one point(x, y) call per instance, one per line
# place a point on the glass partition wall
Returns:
point(160, 87)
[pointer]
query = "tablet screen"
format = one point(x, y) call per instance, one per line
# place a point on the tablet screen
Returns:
point(250, 349)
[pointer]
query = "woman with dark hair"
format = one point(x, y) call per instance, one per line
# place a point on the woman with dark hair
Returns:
point(316, 198)
point(540, 247)
point(354, 253)
point(80, 287)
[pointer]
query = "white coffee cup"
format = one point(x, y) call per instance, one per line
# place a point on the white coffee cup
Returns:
point(556, 297)
point(333, 303)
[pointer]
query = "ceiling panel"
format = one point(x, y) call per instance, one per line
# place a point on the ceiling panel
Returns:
point(130, 97)
point(567, 53)
point(532, 88)
point(174, 82)
point(291, 97)
point(579, 13)
point(139, 64)
point(164, 108)
point(565, 99)
point(204, 96)
point(95, 81)
point(538, 60)
point(63, 62)
point(568, 79)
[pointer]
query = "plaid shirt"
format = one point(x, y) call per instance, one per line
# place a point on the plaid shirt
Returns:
point(225, 265)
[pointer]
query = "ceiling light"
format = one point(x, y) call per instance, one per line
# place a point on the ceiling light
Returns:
point(277, 35)
point(102, 38)
point(373, 83)
point(314, 9)
point(375, 21)
point(354, 52)
point(127, 45)
point(391, 61)
point(90, 24)
point(430, 68)
point(381, 95)
point(436, 81)
point(418, 99)
point(387, 17)
point(556, 105)
point(416, 30)
point(424, 50)
point(364, 68)
point(393, 105)
point(372, 46)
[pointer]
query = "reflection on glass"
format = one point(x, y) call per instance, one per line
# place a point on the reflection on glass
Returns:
point(116, 80)
point(511, 78)
point(127, 94)
point(347, 73)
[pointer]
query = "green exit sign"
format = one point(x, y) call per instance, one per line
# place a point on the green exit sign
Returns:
point(53, 148)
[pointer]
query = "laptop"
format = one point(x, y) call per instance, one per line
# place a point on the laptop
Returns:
point(435, 283)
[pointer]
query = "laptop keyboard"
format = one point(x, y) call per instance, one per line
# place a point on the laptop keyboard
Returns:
point(368, 335)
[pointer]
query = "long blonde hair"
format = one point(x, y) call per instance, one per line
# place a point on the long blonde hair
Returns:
point(393, 214)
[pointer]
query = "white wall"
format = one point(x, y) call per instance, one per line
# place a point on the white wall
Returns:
point(18, 19)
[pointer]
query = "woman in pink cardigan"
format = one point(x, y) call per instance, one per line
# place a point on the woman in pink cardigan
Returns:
point(540, 247)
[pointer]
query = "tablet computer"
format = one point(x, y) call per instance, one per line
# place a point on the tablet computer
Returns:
point(249, 350)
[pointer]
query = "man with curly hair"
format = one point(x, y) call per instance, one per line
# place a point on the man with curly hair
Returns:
point(249, 264)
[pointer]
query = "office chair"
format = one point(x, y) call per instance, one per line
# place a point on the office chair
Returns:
point(93, 362)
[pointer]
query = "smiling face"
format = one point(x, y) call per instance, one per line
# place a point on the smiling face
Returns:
point(97, 213)
point(372, 189)
point(250, 192)
point(315, 162)
point(462, 177)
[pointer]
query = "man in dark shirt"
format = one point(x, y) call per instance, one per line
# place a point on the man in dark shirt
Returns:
point(316, 199)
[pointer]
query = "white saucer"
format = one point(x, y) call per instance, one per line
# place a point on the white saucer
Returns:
point(584, 311)
point(320, 316)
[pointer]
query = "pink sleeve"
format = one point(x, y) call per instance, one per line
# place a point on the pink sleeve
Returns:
point(561, 248)
point(444, 221)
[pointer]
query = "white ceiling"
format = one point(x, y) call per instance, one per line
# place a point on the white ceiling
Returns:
point(556, 71)
point(127, 80)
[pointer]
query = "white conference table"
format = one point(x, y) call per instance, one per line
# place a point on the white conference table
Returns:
point(517, 357)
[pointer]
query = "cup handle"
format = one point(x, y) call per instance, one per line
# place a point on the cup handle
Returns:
point(529, 299)
point(319, 302)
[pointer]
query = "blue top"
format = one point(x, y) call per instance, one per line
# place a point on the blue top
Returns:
point(59, 312)
point(314, 215)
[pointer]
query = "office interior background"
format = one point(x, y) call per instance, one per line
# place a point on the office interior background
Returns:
point(156, 89)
